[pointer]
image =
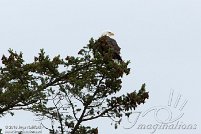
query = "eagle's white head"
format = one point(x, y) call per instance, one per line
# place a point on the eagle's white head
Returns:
point(108, 33)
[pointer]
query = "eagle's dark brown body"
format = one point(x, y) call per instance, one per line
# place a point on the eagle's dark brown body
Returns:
point(105, 44)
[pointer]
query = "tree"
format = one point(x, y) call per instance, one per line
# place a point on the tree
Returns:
point(71, 90)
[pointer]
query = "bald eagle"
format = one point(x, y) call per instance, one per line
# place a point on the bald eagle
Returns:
point(106, 45)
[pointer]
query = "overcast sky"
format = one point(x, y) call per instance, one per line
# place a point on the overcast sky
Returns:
point(161, 38)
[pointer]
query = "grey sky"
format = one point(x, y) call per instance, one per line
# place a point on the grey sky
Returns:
point(162, 38)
